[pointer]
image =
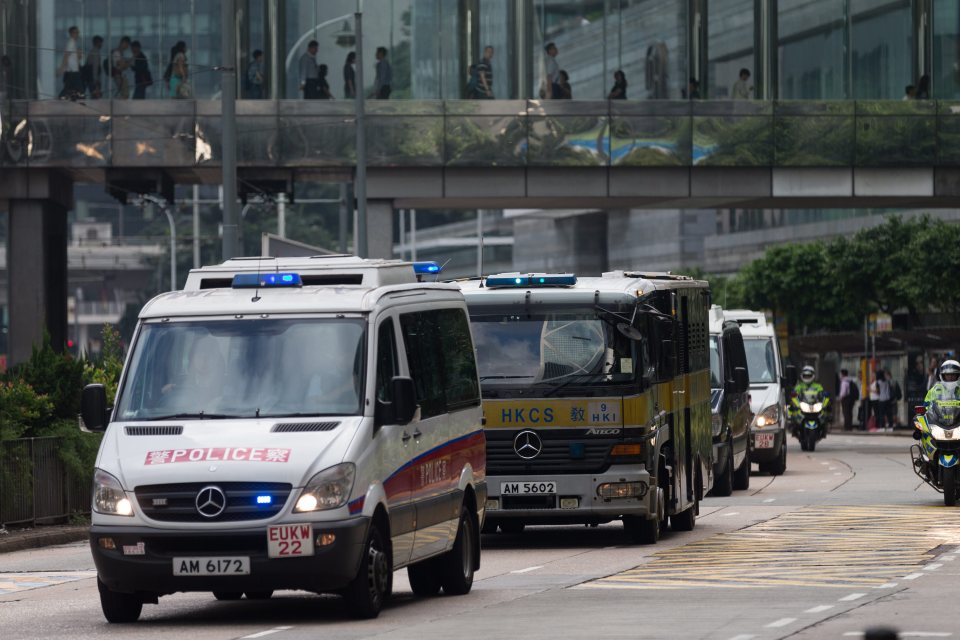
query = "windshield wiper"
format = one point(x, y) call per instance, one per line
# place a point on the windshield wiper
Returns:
point(295, 414)
point(570, 380)
point(482, 378)
point(193, 416)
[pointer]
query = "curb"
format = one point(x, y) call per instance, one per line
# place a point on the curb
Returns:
point(35, 538)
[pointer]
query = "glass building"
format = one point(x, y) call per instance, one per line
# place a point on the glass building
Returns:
point(794, 49)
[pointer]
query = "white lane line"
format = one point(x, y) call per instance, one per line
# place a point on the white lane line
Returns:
point(832, 469)
point(932, 567)
point(852, 597)
point(528, 569)
point(925, 634)
point(732, 513)
point(854, 634)
point(949, 558)
point(823, 482)
point(886, 585)
point(824, 463)
point(782, 622)
point(770, 500)
point(819, 608)
point(800, 490)
point(743, 636)
point(267, 632)
point(838, 474)
point(913, 576)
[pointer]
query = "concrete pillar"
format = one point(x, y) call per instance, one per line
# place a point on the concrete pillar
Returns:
point(37, 275)
point(380, 228)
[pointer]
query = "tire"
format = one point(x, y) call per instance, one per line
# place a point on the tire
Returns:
point(643, 530)
point(119, 607)
point(686, 520)
point(723, 484)
point(228, 595)
point(367, 592)
point(779, 466)
point(424, 578)
point(949, 479)
point(456, 567)
point(512, 526)
point(811, 443)
point(259, 595)
point(803, 443)
point(741, 477)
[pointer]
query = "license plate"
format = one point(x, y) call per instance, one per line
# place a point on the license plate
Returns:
point(763, 440)
point(289, 540)
point(218, 566)
point(527, 488)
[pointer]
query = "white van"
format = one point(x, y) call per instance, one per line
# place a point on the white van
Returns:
point(768, 430)
point(291, 423)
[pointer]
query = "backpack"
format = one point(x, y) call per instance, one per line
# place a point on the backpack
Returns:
point(854, 391)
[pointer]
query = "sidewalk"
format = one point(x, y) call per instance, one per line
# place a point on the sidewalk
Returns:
point(20, 539)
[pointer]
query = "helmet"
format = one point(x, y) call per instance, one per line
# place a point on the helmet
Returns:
point(950, 374)
point(807, 374)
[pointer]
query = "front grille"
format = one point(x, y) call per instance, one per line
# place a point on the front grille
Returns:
point(528, 502)
point(557, 456)
point(154, 430)
point(302, 427)
point(180, 501)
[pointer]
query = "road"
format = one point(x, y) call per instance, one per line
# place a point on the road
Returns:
point(846, 539)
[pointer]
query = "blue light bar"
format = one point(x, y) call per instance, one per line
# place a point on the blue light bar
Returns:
point(265, 499)
point(518, 280)
point(266, 280)
point(426, 267)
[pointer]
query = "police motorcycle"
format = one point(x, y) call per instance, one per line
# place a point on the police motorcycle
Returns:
point(809, 412)
point(936, 458)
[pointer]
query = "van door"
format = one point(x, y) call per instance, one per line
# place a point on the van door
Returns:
point(394, 449)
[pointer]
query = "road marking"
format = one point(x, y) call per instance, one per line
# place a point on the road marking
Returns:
point(528, 569)
point(932, 567)
point(782, 622)
point(838, 474)
point(852, 597)
point(913, 576)
point(824, 481)
point(14, 582)
point(743, 636)
point(732, 513)
point(949, 558)
point(800, 490)
point(770, 500)
point(819, 608)
point(887, 585)
point(267, 632)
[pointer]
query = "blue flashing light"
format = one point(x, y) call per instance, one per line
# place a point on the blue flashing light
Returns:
point(532, 280)
point(268, 499)
point(426, 267)
point(266, 280)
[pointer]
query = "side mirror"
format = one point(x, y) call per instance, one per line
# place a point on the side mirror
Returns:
point(404, 400)
point(791, 375)
point(93, 408)
point(666, 362)
point(740, 379)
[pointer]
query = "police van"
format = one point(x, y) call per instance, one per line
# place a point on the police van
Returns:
point(298, 423)
point(730, 405)
point(768, 428)
point(596, 398)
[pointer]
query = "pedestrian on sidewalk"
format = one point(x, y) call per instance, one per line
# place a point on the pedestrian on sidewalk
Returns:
point(849, 394)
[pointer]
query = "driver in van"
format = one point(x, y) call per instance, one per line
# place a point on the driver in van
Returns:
point(202, 385)
point(945, 392)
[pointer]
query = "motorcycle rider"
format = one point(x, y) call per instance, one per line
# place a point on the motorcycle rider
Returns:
point(806, 387)
point(946, 392)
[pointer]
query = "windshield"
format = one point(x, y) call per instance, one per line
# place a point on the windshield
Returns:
point(550, 348)
point(715, 376)
point(944, 413)
point(761, 360)
point(244, 369)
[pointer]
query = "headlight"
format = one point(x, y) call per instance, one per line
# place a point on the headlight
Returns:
point(769, 416)
point(329, 489)
point(109, 497)
point(939, 433)
point(806, 407)
point(716, 424)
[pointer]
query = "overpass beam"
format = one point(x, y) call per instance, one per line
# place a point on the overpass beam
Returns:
point(37, 273)
point(380, 229)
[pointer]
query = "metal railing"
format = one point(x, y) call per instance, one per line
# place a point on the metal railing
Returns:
point(488, 133)
point(36, 486)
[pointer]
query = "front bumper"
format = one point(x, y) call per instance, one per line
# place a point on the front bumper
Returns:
point(330, 568)
point(767, 454)
point(590, 508)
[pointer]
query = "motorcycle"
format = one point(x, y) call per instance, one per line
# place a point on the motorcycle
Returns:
point(937, 456)
point(809, 418)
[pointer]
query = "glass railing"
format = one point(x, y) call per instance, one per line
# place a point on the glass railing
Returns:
point(496, 133)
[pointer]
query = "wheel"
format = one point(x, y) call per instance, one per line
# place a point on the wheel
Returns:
point(642, 530)
point(803, 443)
point(424, 578)
point(723, 483)
point(779, 466)
point(811, 442)
point(119, 607)
point(228, 595)
point(741, 477)
point(457, 565)
point(686, 520)
point(259, 595)
point(512, 526)
point(367, 592)
point(949, 479)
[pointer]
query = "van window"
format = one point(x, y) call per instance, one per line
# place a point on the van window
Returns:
point(386, 361)
point(442, 365)
point(716, 374)
point(245, 368)
point(761, 360)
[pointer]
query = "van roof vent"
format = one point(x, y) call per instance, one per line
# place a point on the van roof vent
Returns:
point(154, 430)
point(303, 427)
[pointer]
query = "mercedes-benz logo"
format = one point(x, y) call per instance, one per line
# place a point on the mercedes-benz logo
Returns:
point(528, 445)
point(211, 501)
